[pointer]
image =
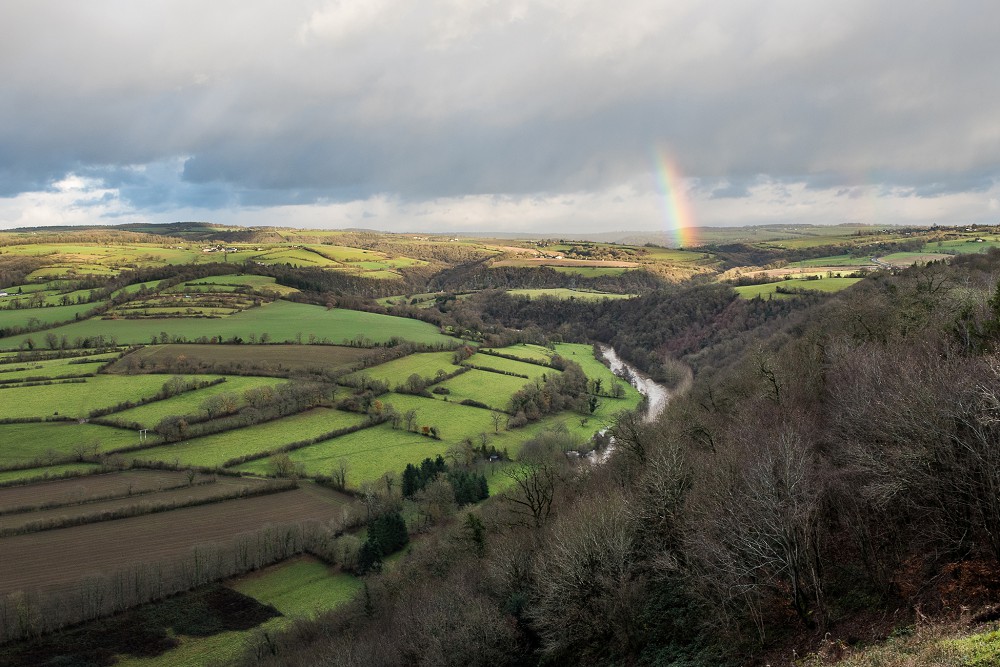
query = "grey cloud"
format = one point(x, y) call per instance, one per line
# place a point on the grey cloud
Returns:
point(291, 103)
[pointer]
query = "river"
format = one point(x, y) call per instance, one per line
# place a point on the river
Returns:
point(657, 396)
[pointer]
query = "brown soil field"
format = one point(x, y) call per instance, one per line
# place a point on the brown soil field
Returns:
point(54, 559)
point(547, 261)
point(266, 357)
point(224, 486)
point(78, 489)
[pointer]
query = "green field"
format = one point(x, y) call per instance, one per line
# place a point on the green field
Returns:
point(593, 271)
point(492, 389)
point(964, 246)
point(53, 368)
point(36, 474)
point(527, 351)
point(374, 451)
point(835, 260)
point(283, 321)
point(42, 442)
point(300, 587)
point(30, 317)
point(190, 402)
point(214, 450)
point(566, 293)
point(769, 290)
point(77, 399)
point(425, 364)
point(533, 371)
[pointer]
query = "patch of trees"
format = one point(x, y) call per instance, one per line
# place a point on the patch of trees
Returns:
point(468, 486)
point(552, 394)
point(387, 534)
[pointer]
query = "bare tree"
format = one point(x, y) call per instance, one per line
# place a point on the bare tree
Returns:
point(533, 492)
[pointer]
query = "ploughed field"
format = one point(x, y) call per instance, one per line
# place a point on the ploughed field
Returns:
point(53, 559)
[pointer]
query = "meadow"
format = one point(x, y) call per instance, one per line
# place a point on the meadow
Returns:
point(426, 364)
point(214, 450)
point(491, 389)
point(191, 402)
point(66, 367)
point(77, 398)
point(566, 293)
point(490, 362)
point(769, 290)
point(48, 441)
point(32, 317)
point(282, 321)
point(299, 587)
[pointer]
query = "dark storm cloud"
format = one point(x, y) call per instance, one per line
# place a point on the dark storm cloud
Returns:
point(182, 104)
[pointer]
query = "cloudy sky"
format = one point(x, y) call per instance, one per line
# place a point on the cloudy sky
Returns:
point(466, 115)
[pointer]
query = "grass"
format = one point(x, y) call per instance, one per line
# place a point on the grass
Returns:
point(190, 402)
point(834, 260)
point(298, 587)
point(53, 368)
point(592, 271)
point(425, 364)
point(77, 399)
point(214, 450)
point(374, 451)
point(565, 293)
point(527, 351)
point(533, 371)
point(30, 317)
point(46, 472)
point(283, 321)
point(769, 290)
point(940, 645)
point(26, 443)
point(492, 389)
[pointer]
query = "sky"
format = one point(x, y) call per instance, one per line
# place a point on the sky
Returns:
point(482, 115)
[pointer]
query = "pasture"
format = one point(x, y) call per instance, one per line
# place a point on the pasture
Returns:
point(53, 368)
point(425, 364)
point(566, 293)
point(191, 402)
point(47, 472)
point(32, 317)
point(42, 443)
point(373, 451)
point(769, 290)
point(299, 587)
point(526, 351)
point(490, 362)
point(282, 321)
point(492, 389)
point(213, 450)
point(76, 398)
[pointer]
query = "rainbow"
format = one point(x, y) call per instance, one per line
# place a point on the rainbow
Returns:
point(676, 209)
